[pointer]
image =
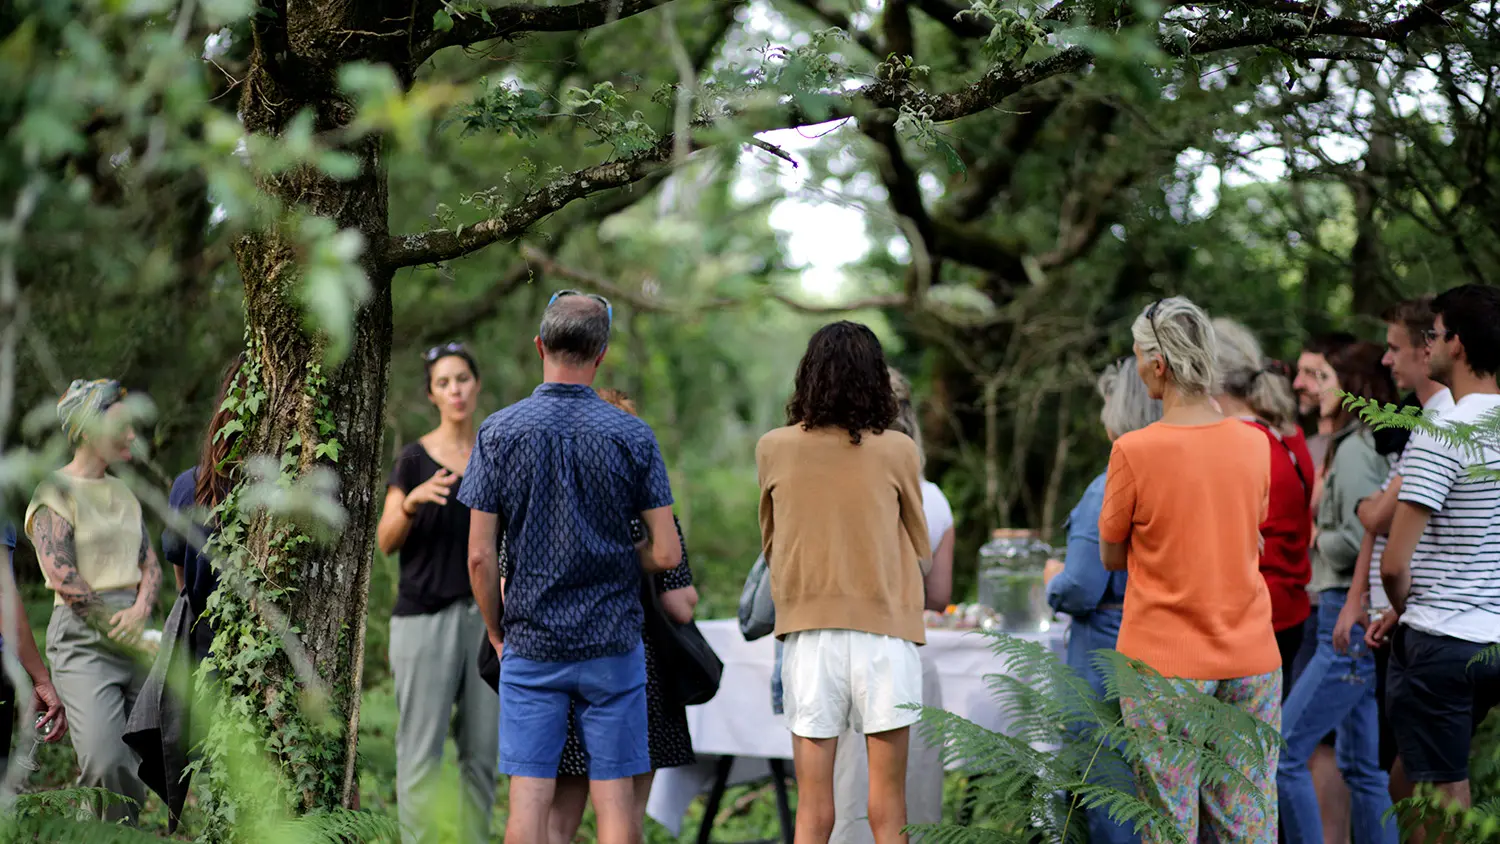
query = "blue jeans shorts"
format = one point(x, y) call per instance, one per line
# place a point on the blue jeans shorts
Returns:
point(610, 694)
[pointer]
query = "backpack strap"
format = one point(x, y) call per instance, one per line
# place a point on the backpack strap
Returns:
point(1291, 455)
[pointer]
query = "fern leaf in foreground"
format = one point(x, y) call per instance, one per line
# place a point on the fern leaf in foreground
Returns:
point(1066, 749)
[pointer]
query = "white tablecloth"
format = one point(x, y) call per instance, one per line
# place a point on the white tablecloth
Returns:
point(738, 721)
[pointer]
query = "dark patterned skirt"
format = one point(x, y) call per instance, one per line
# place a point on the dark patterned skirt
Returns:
point(666, 730)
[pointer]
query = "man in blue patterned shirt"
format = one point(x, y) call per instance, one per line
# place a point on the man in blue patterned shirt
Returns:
point(561, 474)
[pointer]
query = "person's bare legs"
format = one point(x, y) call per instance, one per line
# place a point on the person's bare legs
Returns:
point(888, 751)
point(812, 760)
point(614, 811)
point(530, 807)
point(568, 803)
point(642, 797)
point(1333, 794)
point(1448, 794)
point(1401, 787)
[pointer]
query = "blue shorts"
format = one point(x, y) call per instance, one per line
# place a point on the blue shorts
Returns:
point(610, 693)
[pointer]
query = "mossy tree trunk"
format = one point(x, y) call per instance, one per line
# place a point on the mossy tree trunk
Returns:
point(296, 57)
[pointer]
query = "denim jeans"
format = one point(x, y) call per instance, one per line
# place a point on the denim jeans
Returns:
point(1335, 691)
point(1098, 631)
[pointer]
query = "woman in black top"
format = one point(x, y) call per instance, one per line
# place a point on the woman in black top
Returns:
point(435, 626)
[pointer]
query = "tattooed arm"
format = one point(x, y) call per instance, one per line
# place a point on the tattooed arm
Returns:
point(55, 551)
point(150, 570)
point(127, 624)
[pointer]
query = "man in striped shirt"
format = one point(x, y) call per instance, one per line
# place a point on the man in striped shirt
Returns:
point(1441, 566)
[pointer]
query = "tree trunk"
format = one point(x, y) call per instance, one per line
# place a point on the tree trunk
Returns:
point(321, 589)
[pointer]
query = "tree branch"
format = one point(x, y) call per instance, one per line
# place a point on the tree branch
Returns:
point(947, 14)
point(998, 83)
point(512, 20)
point(835, 17)
point(461, 319)
point(432, 247)
point(654, 304)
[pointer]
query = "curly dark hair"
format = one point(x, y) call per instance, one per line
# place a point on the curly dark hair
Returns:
point(842, 382)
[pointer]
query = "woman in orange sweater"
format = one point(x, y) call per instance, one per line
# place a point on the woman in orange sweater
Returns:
point(1183, 505)
point(843, 530)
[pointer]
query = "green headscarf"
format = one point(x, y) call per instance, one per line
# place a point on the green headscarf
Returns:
point(85, 402)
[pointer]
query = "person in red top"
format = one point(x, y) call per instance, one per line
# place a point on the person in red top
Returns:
point(1250, 388)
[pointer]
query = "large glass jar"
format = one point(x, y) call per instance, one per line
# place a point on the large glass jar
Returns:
point(1010, 580)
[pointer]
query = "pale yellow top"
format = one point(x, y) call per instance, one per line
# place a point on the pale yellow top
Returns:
point(106, 520)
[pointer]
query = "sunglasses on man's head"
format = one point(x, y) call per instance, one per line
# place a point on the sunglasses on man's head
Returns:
point(609, 310)
point(436, 352)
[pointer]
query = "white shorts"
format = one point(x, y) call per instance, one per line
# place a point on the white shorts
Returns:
point(838, 680)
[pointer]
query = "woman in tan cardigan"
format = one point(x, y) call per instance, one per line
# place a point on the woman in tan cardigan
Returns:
point(843, 530)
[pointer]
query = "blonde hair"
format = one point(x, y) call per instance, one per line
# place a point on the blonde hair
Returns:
point(906, 411)
point(1244, 372)
point(1127, 404)
point(1179, 332)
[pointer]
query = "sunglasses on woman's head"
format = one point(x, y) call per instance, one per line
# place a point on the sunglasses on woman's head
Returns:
point(1151, 318)
point(436, 352)
point(609, 310)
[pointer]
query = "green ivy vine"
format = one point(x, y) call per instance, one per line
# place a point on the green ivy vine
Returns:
point(264, 755)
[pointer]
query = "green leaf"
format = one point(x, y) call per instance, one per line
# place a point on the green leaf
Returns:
point(339, 165)
point(328, 450)
point(956, 164)
point(442, 21)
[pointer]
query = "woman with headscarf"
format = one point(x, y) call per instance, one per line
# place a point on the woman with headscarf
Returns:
point(1184, 499)
point(1093, 597)
point(96, 554)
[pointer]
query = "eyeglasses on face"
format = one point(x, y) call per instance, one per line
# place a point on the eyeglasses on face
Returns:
point(1431, 335)
point(436, 352)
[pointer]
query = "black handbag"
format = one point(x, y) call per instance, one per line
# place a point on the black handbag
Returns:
point(687, 666)
point(489, 662)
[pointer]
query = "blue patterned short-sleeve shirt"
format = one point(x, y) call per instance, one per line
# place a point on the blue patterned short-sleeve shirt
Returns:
point(566, 472)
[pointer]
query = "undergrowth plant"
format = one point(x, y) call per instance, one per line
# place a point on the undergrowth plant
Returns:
point(1067, 748)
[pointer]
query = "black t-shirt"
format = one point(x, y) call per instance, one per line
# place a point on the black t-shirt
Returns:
point(435, 556)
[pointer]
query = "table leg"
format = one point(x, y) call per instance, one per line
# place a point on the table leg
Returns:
point(783, 803)
point(715, 797)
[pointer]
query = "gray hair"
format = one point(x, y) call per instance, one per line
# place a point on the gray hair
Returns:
point(1127, 405)
point(906, 412)
point(1244, 372)
point(1178, 331)
point(575, 329)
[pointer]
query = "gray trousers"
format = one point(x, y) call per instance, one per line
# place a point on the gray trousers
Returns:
point(98, 682)
point(924, 776)
point(434, 659)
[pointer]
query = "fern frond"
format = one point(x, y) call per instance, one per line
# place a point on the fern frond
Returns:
point(341, 826)
point(945, 834)
point(1469, 438)
point(53, 829)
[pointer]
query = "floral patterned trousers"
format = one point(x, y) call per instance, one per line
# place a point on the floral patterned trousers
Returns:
point(1227, 810)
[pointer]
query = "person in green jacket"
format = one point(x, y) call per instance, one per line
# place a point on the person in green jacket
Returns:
point(1337, 689)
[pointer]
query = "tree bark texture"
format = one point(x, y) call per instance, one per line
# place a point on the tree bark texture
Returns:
point(293, 69)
